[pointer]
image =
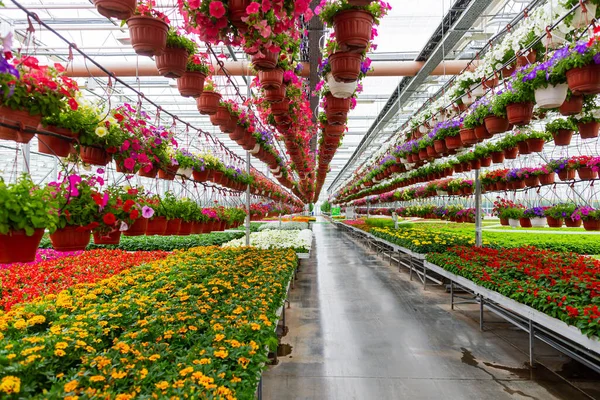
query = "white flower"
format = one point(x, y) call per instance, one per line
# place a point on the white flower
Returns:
point(300, 241)
point(101, 131)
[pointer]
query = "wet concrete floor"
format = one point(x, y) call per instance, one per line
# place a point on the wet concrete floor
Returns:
point(359, 329)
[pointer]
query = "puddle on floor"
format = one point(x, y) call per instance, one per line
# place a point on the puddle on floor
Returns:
point(284, 350)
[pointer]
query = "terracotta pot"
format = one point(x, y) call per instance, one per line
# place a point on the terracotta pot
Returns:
point(467, 136)
point(497, 157)
point(423, 154)
point(519, 113)
point(495, 124)
point(572, 106)
point(168, 174)
point(280, 108)
point(562, 137)
point(191, 84)
point(518, 184)
point(486, 161)
point(547, 179)
point(532, 181)
point(482, 133)
point(221, 117)
point(535, 145)
point(275, 95)
point(70, 238)
point(431, 153)
point(353, 29)
point(201, 176)
point(208, 102)
point(335, 106)
point(591, 225)
point(16, 246)
point(218, 177)
point(138, 228)
point(554, 222)
point(490, 83)
point(345, 66)
point(584, 80)
point(359, 3)
point(453, 142)
point(149, 174)
point(566, 175)
point(440, 146)
point(525, 222)
point(586, 174)
point(156, 226)
point(588, 130)
point(173, 226)
point(339, 119)
point(186, 228)
point(148, 35)
point(523, 147)
point(236, 11)
point(271, 79)
point(113, 238)
point(504, 221)
point(18, 118)
point(230, 126)
point(53, 145)
point(572, 224)
point(501, 185)
point(238, 134)
point(119, 9)
point(267, 62)
point(509, 70)
point(511, 153)
point(334, 130)
point(475, 164)
point(172, 62)
point(93, 155)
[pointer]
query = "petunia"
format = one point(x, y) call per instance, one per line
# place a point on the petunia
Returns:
point(252, 8)
point(216, 9)
point(147, 212)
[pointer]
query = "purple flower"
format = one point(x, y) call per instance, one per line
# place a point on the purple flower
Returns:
point(147, 212)
point(581, 47)
point(597, 58)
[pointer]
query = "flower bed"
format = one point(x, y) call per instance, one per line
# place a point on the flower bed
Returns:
point(285, 226)
point(197, 322)
point(562, 285)
point(45, 255)
point(299, 241)
point(422, 240)
point(25, 282)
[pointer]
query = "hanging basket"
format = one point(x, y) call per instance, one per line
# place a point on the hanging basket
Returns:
point(482, 133)
point(283, 107)
point(186, 228)
point(509, 70)
point(237, 11)
point(586, 173)
point(440, 146)
point(532, 181)
point(20, 118)
point(156, 226)
point(511, 153)
point(266, 62)
point(588, 130)
point(335, 106)
point(552, 96)
point(467, 136)
point(584, 80)
point(238, 133)
point(138, 228)
point(535, 145)
point(523, 148)
point(202, 176)
point(340, 119)
point(119, 9)
point(168, 174)
point(54, 145)
point(208, 102)
point(572, 106)
point(341, 90)
point(353, 29)
point(191, 84)
point(495, 125)
point(538, 222)
point(16, 246)
point(93, 155)
point(221, 117)
point(172, 62)
point(149, 174)
point(230, 126)
point(453, 142)
point(566, 175)
point(486, 161)
point(562, 137)
point(148, 35)
point(554, 222)
point(112, 238)
point(591, 225)
point(345, 68)
point(275, 95)
point(519, 113)
point(334, 130)
point(271, 79)
point(572, 224)
point(547, 179)
point(70, 238)
point(187, 172)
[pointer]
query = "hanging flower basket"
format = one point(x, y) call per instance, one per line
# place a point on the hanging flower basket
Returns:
point(591, 225)
point(511, 153)
point(237, 11)
point(538, 222)
point(554, 222)
point(138, 228)
point(566, 175)
point(584, 80)
point(535, 145)
point(547, 179)
point(335, 106)
point(345, 68)
point(467, 136)
point(341, 90)
point(486, 161)
point(113, 238)
point(230, 126)
point(453, 142)
point(93, 155)
point(562, 137)
point(202, 176)
point(221, 117)
point(208, 102)
point(148, 35)
point(20, 118)
point(482, 133)
point(191, 84)
point(475, 164)
point(172, 62)
point(334, 130)
point(525, 222)
point(586, 174)
point(519, 113)
point(70, 238)
point(238, 133)
point(149, 174)
point(552, 96)
point(572, 106)
point(187, 172)
point(589, 130)
point(119, 9)
point(266, 62)
point(283, 107)
point(275, 95)
point(523, 148)
point(495, 125)
point(16, 246)
point(186, 228)
point(572, 224)
point(509, 70)
point(501, 185)
point(440, 146)
point(271, 79)
point(339, 119)
point(168, 174)
point(532, 181)
point(353, 29)
point(54, 145)
point(156, 226)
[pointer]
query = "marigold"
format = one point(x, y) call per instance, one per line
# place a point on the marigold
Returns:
point(70, 386)
point(10, 385)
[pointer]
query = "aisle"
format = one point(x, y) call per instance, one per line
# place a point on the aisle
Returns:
point(361, 330)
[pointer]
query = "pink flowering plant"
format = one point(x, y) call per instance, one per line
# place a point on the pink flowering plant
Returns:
point(77, 198)
point(147, 8)
point(585, 213)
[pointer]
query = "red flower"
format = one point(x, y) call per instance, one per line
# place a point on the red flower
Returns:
point(109, 219)
point(128, 205)
point(135, 214)
point(217, 10)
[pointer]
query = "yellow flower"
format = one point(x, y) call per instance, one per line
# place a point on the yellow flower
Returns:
point(97, 378)
point(101, 131)
point(255, 326)
point(59, 353)
point(219, 337)
point(124, 397)
point(10, 384)
point(154, 357)
point(118, 375)
point(143, 373)
point(61, 345)
point(205, 361)
point(70, 386)
point(162, 385)
point(20, 324)
point(221, 353)
point(186, 371)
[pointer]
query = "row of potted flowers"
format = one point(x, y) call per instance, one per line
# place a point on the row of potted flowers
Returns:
point(570, 214)
point(300, 240)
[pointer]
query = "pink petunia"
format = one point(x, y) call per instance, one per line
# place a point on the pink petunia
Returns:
point(147, 212)
point(216, 9)
point(129, 163)
point(252, 8)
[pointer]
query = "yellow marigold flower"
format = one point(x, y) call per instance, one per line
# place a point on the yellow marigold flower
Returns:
point(59, 353)
point(235, 379)
point(186, 371)
point(10, 384)
point(154, 357)
point(38, 319)
point(235, 343)
point(205, 361)
point(20, 324)
point(143, 373)
point(219, 337)
point(70, 386)
point(243, 361)
point(221, 353)
point(218, 327)
point(61, 345)
point(97, 378)
point(162, 385)
point(118, 375)
point(123, 397)
point(255, 326)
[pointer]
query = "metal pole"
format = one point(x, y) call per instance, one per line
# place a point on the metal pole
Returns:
point(531, 343)
point(248, 201)
point(26, 158)
point(478, 236)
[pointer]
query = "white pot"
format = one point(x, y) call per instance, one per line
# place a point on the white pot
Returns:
point(404, 160)
point(553, 42)
point(538, 222)
point(468, 100)
point(552, 96)
point(423, 129)
point(441, 192)
point(276, 170)
point(580, 19)
point(341, 90)
point(256, 149)
point(476, 90)
point(187, 172)
point(514, 223)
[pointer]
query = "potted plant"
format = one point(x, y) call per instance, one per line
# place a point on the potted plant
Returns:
point(98, 139)
point(558, 213)
point(581, 68)
point(209, 100)
point(148, 29)
point(564, 167)
point(562, 130)
point(172, 63)
point(537, 217)
point(517, 102)
point(550, 88)
point(513, 215)
point(65, 126)
point(119, 9)
point(590, 217)
point(588, 122)
point(191, 83)
point(26, 211)
point(186, 162)
point(536, 140)
point(113, 217)
point(139, 211)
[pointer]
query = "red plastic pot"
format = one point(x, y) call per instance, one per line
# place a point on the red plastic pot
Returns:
point(168, 174)
point(525, 222)
point(173, 226)
point(586, 173)
point(475, 164)
point(345, 66)
point(572, 106)
point(588, 130)
point(566, 174)
point(495, 124)
point(208, 102)
point(148, 35)
point(511, 153)
point(467, 136)
point(172, 62)
point(353, 29)
point(138, 228)
point(504, 221)
point(93, 155)
point(112, 238)
point(283, 107)
point(238, 134)
point(453, 142)
point(70, 238)
point(554, 222)
point(16, 246)
point(523, 147)
point(335, 106)
point(119, 9)
point(54, 145)
point(482, 133)
point(501, 185)
point(221, 117)
point(440, 146)
point(591, 225)
point(275, 95)
point(497, 157)
point(21, 118)
point(271, 79)
point(535, 145)
point(562, 137)
point(191, 84)
point(572, 224)
point(519, 113)
point(547, 179)
point(156, 226)
point(149, 174)
point(230, 126)
point(201, 176)
point(486, 161)
point(186, 228)
point(584, 80)
point(532, 181)
point(266, 62)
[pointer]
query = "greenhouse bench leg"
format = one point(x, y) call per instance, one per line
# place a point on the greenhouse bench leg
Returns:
point(481, 303)
point(531, 343)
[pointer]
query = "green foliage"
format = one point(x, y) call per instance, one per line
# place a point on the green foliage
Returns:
point(511, 213)
point(326, 207)
point(175, 40)
point(560, 124)
point(561, 210)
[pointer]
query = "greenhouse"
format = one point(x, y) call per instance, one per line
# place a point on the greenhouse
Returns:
point(299, 199)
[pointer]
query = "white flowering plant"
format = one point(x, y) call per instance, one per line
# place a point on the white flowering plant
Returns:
point(299, 241)
point(284, 226)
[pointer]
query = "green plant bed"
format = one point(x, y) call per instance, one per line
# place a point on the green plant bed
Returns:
point(380, 222)
point(254, 226)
